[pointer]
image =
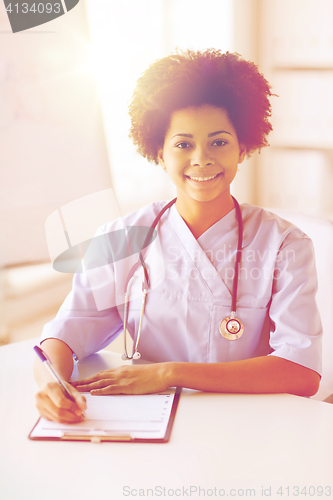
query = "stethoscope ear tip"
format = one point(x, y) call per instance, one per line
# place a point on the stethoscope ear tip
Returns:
point(136, 355)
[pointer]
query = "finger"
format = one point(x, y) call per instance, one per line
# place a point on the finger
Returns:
point(60, 406)
point(47, 415)
point(108, 390)
point(79, 398)
point(44, 413)
point(84, 381)
point(49, 410)
point(94, 385)
point(62, 416)
point(93, 378)
point(59, 398)
point(66, 417)
point(85, 387)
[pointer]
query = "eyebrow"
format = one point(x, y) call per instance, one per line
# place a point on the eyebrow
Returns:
point(209, 135)
point(219, 132)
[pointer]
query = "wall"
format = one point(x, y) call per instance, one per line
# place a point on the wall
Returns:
point(296, 55)
point(51, 136)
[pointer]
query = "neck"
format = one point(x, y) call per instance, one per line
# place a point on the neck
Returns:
point(201, 215)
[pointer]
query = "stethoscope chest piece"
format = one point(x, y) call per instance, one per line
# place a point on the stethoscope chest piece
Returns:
point(231, 328)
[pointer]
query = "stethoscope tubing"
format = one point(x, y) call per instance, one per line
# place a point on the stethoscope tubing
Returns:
point(238, 255)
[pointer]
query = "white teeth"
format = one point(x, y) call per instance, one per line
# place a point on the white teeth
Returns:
point(202, 179)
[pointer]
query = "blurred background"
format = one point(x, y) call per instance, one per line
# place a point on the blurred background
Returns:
point(64, 92)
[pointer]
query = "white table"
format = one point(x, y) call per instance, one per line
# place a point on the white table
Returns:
point(219, 442)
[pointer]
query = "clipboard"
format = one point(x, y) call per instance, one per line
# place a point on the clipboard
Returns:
point(144, 418)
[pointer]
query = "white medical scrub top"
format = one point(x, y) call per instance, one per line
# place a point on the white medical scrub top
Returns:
point(191, 292)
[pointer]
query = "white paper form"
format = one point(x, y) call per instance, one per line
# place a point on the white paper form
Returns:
point(136, 416)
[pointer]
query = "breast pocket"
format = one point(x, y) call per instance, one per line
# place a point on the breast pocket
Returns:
point(255, 339)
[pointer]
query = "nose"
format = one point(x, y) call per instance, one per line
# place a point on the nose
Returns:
point(201, 157)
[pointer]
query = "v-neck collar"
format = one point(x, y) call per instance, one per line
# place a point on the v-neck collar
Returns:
point(218, 230)
point(195, 248)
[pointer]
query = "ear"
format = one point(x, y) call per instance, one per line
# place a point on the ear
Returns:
point(160, 158)
point(242, 153)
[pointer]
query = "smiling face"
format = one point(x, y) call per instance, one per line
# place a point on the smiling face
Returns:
point(201, 153)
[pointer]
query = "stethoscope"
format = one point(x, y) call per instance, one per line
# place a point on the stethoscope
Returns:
point(231, 328)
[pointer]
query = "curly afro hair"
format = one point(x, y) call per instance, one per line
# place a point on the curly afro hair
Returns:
point(192, 79)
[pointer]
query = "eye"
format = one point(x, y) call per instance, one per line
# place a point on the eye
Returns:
point(183, 145)
point(219, 142)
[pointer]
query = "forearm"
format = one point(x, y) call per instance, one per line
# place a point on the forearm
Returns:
point(61, 357)
point(262, 375)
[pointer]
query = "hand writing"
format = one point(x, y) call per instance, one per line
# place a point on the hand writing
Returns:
point(52, 403)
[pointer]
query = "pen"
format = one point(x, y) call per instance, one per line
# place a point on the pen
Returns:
point(44, 357)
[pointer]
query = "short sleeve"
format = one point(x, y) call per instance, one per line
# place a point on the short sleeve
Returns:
point(296, 330)
point(80, 324)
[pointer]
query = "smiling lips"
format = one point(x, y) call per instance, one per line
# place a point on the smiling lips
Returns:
point(202, 179)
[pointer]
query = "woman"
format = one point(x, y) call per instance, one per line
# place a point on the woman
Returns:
point(197, 115)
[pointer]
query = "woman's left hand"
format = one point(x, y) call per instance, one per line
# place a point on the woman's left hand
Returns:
point(133, 379)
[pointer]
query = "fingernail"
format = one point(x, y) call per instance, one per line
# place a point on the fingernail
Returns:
point(78, 413)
